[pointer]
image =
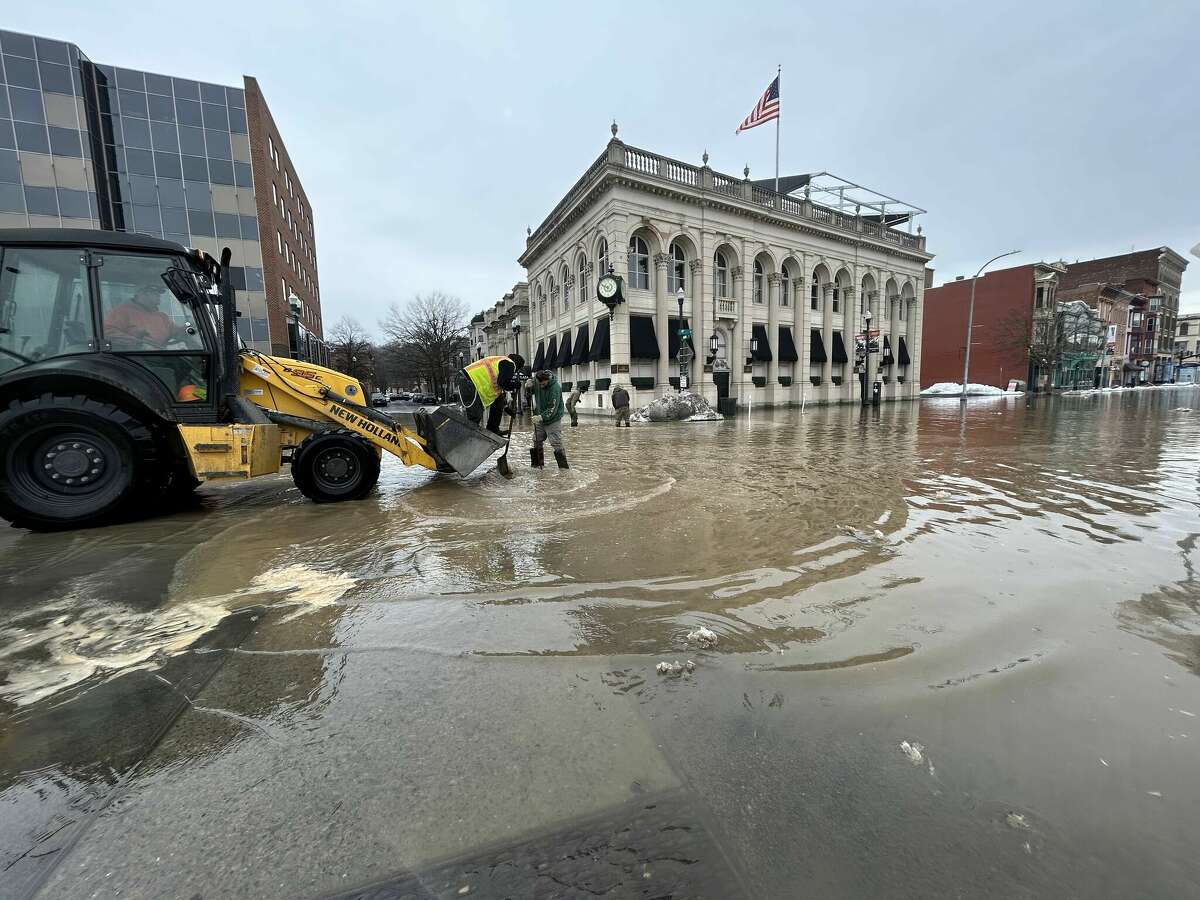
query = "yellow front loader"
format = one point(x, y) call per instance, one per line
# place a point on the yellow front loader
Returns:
point(103, 419)
point(314, 417)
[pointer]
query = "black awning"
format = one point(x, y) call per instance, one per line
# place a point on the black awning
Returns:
point(643, 342)
point(839, 349)
point(673, 327)
point(759, 334)
point(564, 351)
point(816, 348)
point(888, 359)
point(580, 354)
point(787, 347)
point(551, 353)
point(600, 351)
point(903, 358)
point(540, 357)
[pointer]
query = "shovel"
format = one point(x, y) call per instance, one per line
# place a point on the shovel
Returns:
point(502, 465)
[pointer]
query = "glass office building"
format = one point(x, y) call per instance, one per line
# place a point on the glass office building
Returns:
point(89, 145)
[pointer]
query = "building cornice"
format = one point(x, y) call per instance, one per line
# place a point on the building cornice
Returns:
point(688, 185)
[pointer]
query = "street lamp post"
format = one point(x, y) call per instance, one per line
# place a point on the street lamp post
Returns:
point(970, 322)
point(516, 328)
point(685, 351)
point(864, 375)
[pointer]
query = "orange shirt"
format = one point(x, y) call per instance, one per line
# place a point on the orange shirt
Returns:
point(139, 325)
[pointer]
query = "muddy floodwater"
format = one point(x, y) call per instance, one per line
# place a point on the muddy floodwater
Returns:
point(957, 655)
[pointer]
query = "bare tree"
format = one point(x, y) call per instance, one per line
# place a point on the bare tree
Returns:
point(425, 336)
point(351, 350)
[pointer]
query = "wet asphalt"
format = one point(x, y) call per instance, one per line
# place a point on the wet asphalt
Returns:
point(449, 689)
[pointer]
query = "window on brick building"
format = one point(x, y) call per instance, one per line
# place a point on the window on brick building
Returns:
point(279, 239)
point(274, 194)
point(1040, 302)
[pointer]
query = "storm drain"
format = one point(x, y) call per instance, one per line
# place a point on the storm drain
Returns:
point(654, 848)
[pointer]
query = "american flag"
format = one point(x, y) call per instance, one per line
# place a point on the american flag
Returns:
point(765, 110)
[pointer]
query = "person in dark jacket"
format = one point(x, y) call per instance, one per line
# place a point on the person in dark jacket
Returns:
point(548, 412)
point(620, 402)
point(483, 384)
point(572, 402)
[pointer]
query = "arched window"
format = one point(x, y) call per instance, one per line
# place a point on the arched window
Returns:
point(675, 275)
point(566, 282)
point(814, 297)
point(553, 298)
point(901, 311)
point(785, 287)
point(541, 304)
point(639, 264)
point(837, 296)
point(760, 282)
point(602, 258)
point(581, 276)
point(720, 275)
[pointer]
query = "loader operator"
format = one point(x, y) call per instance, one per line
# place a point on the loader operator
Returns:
point(139, 324)
point(483, 384)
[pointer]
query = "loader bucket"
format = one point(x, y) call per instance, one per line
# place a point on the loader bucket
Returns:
point(455, 441)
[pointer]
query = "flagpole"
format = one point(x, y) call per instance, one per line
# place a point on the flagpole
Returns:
point(778, 77)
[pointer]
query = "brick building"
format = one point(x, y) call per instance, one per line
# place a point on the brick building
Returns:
point(1155, 276)
point(90, 145)
point(1007, 302)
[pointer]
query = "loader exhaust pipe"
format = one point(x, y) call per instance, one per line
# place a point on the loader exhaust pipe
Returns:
point(231, 376)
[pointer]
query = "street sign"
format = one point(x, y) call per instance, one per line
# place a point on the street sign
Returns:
point(683, 382)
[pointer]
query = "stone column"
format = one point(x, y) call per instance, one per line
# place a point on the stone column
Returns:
point(740, 337)
point(850, 327)
point(895, 329)
point(618, 257)
point(800, 330)
point(773, 335)
point(827, 387)
point(916, 315)
point(662, 307)
point(698, 322)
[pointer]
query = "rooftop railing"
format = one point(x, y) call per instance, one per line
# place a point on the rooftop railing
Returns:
point(619, 157)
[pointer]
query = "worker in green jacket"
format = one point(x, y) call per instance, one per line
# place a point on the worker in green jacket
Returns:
point(548, 411)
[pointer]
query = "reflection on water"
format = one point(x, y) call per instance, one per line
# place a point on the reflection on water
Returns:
point(934, 552)
point(784, 532)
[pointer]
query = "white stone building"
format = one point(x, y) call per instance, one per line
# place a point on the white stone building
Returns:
point(491, 332)
point(789, 271)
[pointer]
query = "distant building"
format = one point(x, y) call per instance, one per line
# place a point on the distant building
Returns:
point(779, 281)
point(88, 145)
point(1156, 275)
point(1007, 303)
point(1187, 349)
point(491, 332)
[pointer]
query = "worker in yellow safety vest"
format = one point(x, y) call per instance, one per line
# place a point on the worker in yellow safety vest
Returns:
point(482, 385)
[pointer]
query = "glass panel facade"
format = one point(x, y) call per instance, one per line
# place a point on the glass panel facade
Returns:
point(88, 144)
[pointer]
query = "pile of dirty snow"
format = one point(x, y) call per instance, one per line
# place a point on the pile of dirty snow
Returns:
point(682, 407)
point(954, 389)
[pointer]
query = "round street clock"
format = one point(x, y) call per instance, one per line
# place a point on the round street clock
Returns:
point(608, 287)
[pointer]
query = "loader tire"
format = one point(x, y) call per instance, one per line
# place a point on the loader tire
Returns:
point(71, 461)
point(334, 466)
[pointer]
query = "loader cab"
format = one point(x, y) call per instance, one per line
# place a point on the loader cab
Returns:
point(70, 297)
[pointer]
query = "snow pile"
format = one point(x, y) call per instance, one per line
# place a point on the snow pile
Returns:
point(703, 637)
point(682, 407)
point(954, 389)
point(913, 751)
point(675, 668)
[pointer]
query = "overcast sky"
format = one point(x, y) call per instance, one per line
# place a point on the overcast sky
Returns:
point(428, 135)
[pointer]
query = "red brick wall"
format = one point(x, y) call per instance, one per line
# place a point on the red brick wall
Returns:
point(1140, 266)
point(273, 220)
point(1000, 344)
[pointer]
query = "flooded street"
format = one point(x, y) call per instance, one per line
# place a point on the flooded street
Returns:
point(958, 654)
